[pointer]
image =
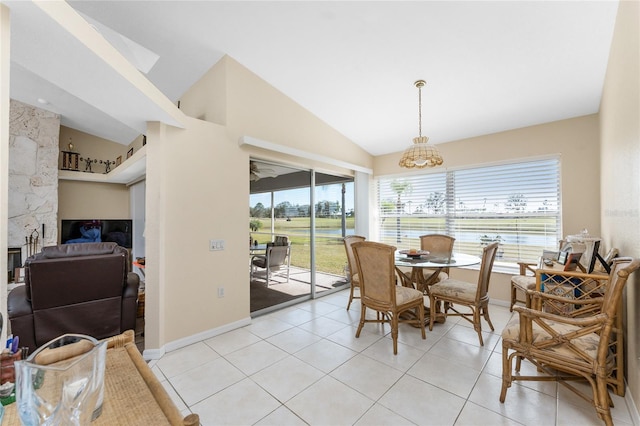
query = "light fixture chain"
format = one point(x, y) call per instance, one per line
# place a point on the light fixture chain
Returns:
point(419, 154)
point(420, 111)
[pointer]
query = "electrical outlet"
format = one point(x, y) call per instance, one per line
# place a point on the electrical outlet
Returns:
point(216, 245)
point(220, 292)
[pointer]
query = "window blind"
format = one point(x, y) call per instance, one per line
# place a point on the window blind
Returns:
point(516, 204)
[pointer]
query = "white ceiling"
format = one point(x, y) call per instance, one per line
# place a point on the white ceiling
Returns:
point(489, 66)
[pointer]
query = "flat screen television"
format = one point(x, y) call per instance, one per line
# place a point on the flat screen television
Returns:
point(97, 230)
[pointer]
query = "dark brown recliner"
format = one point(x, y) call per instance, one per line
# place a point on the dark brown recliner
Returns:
point(84, 288)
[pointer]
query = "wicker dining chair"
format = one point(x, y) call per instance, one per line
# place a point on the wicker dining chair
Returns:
point(565, 348)
point(438, 245)
point(351, 263)
point(474, 296)
point(379, 292)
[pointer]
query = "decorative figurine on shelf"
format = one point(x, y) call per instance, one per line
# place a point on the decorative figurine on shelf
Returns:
point(70, 158)
point(107, 165)
point(87, 164)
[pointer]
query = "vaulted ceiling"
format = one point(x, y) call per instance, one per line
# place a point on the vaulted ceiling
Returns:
point(489, 66)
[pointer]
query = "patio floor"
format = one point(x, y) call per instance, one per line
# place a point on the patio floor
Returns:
point(299, 286)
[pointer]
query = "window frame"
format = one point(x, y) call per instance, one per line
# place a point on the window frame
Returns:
point(449, 218)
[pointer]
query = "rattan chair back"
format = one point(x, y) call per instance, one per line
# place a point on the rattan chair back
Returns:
point(473, 296)
point(378, 290)
point(348, 241)
point(377, 274)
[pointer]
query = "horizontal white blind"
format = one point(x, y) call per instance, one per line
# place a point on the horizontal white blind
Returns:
point(516, 204)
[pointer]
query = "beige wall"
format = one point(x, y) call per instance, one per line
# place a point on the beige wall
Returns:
point(95, 147)
point(207, 99)
point(575, 140)
point(196, 190)
point(136, 144)
point(620, 156)
point(91, 200)
point(89, 146)
point(230, 93)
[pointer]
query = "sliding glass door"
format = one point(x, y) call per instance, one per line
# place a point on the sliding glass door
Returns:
point(334, 219)
point(283, 204)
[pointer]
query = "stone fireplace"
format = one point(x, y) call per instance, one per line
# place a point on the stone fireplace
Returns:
point(33, 177)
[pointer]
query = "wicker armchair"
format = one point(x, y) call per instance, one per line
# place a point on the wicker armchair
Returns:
point(379, 292)
point(349, 240)
point(523, 283)
point(474, 296)
point(569, 347)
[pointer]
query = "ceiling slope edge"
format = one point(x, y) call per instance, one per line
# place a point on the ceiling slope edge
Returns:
point(88, 66)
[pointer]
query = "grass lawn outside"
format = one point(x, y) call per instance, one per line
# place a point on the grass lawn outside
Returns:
point(331, 257)
point(330, 254)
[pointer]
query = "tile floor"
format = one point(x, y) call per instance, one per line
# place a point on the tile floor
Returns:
point(303, 365)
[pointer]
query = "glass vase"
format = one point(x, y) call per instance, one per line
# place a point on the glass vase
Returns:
point(62, 382)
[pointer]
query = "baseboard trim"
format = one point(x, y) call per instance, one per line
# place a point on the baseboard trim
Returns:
point(151, 354)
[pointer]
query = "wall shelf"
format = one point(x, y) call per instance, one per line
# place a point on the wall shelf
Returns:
point(132, 169)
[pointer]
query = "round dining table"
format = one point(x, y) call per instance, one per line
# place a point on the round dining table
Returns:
point(425, 270)
point(433, 262)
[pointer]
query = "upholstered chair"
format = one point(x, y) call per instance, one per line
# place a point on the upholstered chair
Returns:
point(378, 290)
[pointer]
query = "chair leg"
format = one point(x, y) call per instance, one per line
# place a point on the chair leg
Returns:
point(394, 332)
point(361, 324)
point(350, 297)
point(513, 297)
point(527, 300)
point(421, 319)
point(432, 311)
point(477, 326)
point(601, 400)
point(506, 373)
point(485, 314)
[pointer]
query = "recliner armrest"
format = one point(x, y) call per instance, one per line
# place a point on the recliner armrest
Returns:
point(130, 302)
point(17, 303)
point(20, 315)
point(132, 284)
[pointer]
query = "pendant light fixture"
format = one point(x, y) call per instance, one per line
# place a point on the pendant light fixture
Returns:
point(420, 154)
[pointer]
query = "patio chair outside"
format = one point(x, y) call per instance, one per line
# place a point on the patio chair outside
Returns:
point(276, 259)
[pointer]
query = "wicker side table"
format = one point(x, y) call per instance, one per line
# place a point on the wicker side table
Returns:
point(133, 394)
